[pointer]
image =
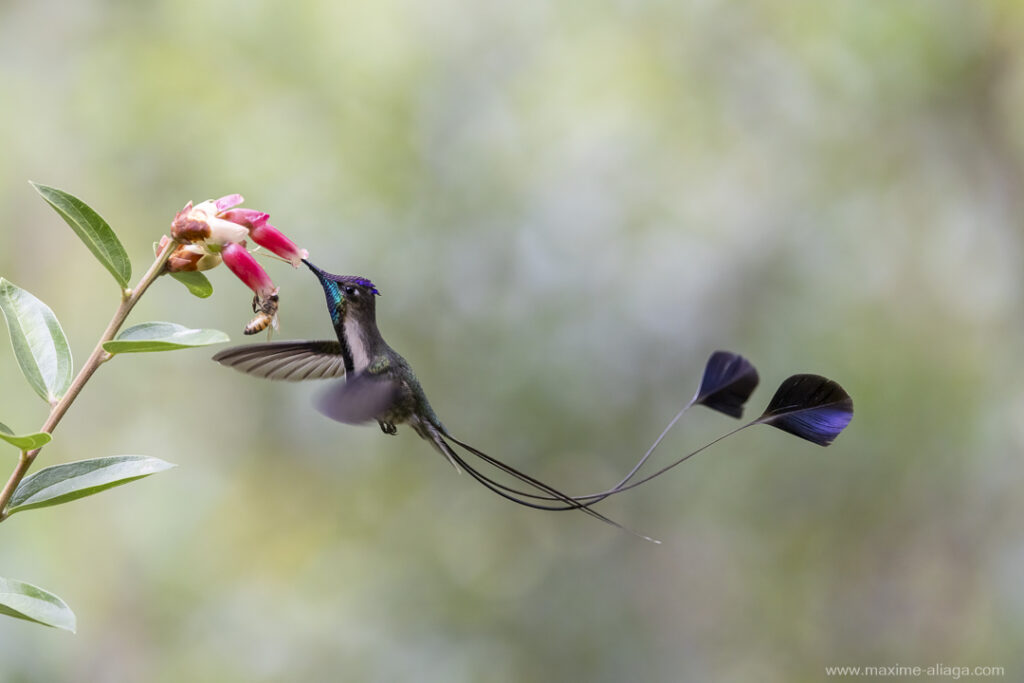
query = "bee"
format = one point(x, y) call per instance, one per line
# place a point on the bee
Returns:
point(266, 314)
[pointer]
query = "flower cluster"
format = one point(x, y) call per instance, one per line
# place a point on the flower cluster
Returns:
point(215, 231)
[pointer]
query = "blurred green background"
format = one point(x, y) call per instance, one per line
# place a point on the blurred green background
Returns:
point(566, 208)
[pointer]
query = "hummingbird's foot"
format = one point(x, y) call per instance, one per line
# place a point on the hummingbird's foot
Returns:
point(387, 427)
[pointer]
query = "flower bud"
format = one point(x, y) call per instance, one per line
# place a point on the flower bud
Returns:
point(201, 223)
point(250, 218)
point(187, 257)
point(228, 201)
point(189, 225)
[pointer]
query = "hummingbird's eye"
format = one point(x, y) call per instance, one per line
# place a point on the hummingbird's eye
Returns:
point(351, 291)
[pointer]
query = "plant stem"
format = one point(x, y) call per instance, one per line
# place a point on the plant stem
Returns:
point(98, 356)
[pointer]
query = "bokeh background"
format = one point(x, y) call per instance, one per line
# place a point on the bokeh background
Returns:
point(566, 207)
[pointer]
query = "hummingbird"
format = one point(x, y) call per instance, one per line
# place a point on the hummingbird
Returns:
point(375, 383)
point(378, 384)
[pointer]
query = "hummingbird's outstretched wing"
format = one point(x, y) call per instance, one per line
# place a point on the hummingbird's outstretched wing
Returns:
point(292, 361)
point(360, 398)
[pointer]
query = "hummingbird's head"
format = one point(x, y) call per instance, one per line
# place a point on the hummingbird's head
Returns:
point(347, 294)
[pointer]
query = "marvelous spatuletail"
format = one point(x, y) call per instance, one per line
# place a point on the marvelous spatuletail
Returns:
point(379, 385)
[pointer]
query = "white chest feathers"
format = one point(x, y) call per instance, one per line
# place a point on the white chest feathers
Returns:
point(356, 344)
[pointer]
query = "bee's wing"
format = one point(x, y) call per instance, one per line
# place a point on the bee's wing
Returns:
point(292, 361)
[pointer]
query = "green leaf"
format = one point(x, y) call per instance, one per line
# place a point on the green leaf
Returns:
point(25, 442)
point(25, 601)
point(196, 282)
point(92, 229)
point(62, 483)
point(159, 336)
point(39, 343)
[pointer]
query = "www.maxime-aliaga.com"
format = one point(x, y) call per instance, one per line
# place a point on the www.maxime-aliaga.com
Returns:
point(933, 670)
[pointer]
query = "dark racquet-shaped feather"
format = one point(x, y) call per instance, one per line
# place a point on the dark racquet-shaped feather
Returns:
point(729, 380)
point(811, 407)
point(292, 361)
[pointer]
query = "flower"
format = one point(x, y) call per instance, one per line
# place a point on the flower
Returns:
point(216, 230)
point(241, 263)
point(206, 229)
point(266, 235)
point(202, 222)
point(264, 303)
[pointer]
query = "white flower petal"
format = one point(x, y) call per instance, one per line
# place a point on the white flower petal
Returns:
point(223, 232)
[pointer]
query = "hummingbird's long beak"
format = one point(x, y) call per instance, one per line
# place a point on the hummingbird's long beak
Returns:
point(316, 271)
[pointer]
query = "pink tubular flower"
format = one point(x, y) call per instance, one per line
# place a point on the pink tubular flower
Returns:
point(265, 303)
point(266, 235)
point(269, 237)
point(242, 264)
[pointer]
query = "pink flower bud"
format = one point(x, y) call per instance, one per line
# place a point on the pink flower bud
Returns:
point(248, 271)
point(250, 218)
point(269, 237)
point(228, 201)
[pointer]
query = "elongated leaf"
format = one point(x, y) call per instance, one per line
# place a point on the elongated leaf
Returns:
point(39, 343)
point(196, 283)
point(811, 407)
point(25, 442)
point(25, 601)
point(92, 229)
point(62, 483)
point(728, 381)
point(160, 336)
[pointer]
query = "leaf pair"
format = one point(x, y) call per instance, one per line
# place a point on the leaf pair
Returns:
point(42, 350)
point(40, 345)
point(53, 486)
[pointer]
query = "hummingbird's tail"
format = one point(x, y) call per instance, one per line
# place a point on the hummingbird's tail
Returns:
point(556, 500)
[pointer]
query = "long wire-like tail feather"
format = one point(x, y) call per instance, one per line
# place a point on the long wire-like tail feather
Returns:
point(517, 496)
point(661, 437)
point(593, 498)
